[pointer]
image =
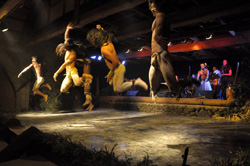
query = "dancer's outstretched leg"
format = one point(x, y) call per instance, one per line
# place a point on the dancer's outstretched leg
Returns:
point(154, 81)
point(46, 86)
point(141, 83)
point(87, 86)
point(37, 92)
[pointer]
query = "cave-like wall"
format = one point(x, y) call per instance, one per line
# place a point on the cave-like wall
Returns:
point(7, 97)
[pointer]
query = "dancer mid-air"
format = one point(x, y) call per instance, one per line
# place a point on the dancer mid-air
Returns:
point(68, 50)
point(103, 39)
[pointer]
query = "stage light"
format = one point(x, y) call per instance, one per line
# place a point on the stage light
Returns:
point(3, 27)
point(99, 58)
point(169, 43)
point(140, 49)
point(209, 36)
point(123, 62)
point(128, 51)
point(93, 57)
point(5, 30)
point(184, 41)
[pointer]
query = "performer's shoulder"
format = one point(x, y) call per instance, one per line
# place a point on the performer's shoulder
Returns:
point(161, 15)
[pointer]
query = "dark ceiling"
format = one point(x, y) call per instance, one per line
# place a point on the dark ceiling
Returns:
point(226, 22)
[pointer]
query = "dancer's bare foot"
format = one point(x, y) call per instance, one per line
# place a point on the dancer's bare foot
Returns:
point(154, 96)
point(141, 83)
point(88, 102)
point(45, 98)
point(90, 107)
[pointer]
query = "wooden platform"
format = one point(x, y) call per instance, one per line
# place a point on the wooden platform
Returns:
point(165, 100)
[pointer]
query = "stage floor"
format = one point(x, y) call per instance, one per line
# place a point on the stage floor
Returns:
point(163, 137)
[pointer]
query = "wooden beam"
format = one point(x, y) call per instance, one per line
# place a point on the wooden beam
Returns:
point(211, 15)
point(200, 16)
point(135, 30)
point(115, 7)
point(211, 44)
point(139, 11)
point(77, 4)
point(108, 9)
point(237, 26)
point(186, 47)
point(8, 7)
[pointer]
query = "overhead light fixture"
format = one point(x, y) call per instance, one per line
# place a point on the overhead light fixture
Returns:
point(184, 41)
point(99, 58)
point(93, 57)
point(141, 49)
point(3, 27)
point(169, 43)
point(209, 36)
point(128, 51)
point(5, 30)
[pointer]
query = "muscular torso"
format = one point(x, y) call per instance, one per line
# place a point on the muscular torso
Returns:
point(159, 27)
point(154, 45)
point(109, 54)
point(37, 68)
point(68, 56)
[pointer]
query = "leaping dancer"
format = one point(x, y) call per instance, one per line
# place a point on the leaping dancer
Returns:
point(39, 79)
point(68, 50)
point(99, 37)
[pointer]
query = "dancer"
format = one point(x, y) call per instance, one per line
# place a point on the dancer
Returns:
point(39, 79)
point(68, 49)
point(202, 76)
point(161, 64)
point(103, 39)
point(87, 80)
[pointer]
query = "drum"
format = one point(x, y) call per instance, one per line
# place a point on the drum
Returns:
point(230, 92)
point(215, 82)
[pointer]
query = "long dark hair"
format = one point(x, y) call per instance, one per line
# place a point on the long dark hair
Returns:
point(66, 46)
point(161, 5)
point(98, 37)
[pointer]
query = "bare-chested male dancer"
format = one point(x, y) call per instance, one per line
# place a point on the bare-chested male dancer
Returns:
point(160, 60)
point(39, 79)
point(101, 38)
point(67, 49)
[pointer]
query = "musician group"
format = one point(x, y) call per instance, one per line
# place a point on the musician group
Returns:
point(217, 81)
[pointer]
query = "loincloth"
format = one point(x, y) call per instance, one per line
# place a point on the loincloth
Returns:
point(155, 57)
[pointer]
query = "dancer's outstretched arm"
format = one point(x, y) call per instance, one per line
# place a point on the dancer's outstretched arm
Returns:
point(68, 28)
point(24, 70)
point(67, 62)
